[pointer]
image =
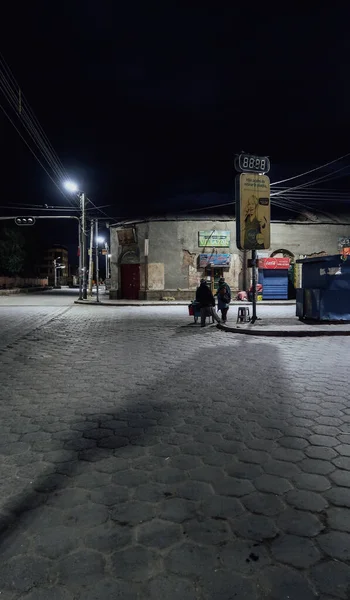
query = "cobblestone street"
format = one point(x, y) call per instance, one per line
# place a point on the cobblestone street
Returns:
point(142, 457)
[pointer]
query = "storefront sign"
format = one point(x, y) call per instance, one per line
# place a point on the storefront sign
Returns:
point(214, 239)
point(274, 263)
point(253, 211)
point(214, 260)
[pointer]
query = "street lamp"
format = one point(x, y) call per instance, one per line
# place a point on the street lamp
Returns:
point(72, 187)
point(56, 267)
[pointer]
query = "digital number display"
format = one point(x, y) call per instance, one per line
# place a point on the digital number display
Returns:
point(254, 164)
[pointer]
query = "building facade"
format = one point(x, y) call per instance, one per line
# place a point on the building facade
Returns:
point(166, 258)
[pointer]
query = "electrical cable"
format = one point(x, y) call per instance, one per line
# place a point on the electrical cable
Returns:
point(311, 170)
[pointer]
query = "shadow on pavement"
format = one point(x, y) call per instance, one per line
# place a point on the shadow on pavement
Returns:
point(172, 481)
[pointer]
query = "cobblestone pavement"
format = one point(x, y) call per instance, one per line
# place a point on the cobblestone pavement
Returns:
point(145, 458)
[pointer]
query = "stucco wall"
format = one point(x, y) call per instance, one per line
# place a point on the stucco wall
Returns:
point(174, 244)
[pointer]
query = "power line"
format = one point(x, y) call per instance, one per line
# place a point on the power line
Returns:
point(311, 170)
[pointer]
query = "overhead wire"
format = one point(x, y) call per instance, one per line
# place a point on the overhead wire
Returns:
point(35, 130)
point(311, 170)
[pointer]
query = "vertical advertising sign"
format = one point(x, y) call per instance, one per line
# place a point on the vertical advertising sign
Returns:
point(253, 211)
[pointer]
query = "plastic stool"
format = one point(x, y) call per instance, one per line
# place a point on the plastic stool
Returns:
point(243, 315)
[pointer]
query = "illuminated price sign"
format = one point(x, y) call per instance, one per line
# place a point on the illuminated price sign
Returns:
point(248, 163)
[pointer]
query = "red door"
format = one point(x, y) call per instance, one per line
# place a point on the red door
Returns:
point(130, 276)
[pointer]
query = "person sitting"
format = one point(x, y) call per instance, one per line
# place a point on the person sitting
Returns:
point(206, 301)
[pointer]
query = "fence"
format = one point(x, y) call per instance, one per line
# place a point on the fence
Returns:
point(8, 283)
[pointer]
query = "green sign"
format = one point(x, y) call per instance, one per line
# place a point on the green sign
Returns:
point(214, 239)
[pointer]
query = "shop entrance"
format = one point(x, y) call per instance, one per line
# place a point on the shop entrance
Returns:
point(214, 273)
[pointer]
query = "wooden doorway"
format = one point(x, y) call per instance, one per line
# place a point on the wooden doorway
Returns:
point(130, 281)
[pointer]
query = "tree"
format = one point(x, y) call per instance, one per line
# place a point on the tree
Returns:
point(12, 252)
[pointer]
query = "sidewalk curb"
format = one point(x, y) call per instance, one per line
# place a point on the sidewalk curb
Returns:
point(164, 303)
point(283, 332)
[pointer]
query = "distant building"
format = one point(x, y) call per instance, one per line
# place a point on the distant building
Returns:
point(167, 257)
point(46, 269)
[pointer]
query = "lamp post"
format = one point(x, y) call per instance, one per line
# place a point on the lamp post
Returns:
point(56, 267)
point(72, 187)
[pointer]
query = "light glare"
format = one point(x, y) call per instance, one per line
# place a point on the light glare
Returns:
point(71, 186)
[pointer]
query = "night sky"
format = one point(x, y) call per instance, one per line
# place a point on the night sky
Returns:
point(146, 104)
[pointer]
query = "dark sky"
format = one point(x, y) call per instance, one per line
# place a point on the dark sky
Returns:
point(147, 103)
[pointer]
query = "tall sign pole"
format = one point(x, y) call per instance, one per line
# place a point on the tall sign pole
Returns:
point(253, 210)
point(83, 245)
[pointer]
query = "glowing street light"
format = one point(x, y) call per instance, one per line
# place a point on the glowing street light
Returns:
point(100, 239)
point(71, 186)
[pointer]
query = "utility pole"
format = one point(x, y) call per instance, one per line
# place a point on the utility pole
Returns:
point(83, 225)
point(97, 269)
point(91, 262)
point(107, 263)
point(80, 264)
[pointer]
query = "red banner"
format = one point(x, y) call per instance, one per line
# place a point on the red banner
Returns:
point(274, 263)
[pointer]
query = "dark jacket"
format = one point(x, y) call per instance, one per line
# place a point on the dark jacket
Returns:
point(204, 296)
point(221, 304)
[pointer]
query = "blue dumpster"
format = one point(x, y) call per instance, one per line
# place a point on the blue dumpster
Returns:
point(325, 291)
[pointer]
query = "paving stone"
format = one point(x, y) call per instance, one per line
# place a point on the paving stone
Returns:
point(243, 470)
point(282, 582)
point(320, 452)
point(312, 482)
point(319, 467)
point(328, 430)
point(108, 537)
point(255, 527)
point(339, 518)
point(23, 572)
point(300, 523)
point(209, 474)
point(110, 589)
point(281, 468)
point(343, 449)
point(152, 492)
point(258, 457)
point(233, 486)
point(185, 462)
point(264, 504)
point(342, 462)
point(171, 587)
point(130, 478)
point(159, 534)
point(135, 563)
point(272, 484)
point(288, 454)
point(194, 490)
point(81, 568)
point(132, 513)
point(192, 560)
point(306, 500)
point(336, 544)
point(323, 440)
point(332, 577)
point(222, 507)
point(208, 531)
point(293, 442)
point(260, 444)
point(178, 510)
point(296, 551)
point(220, 585)
point(339, 496)
point(55, 542)
point(340, 477)
point(54, 593)
point(170, 475)
point(244, 556)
